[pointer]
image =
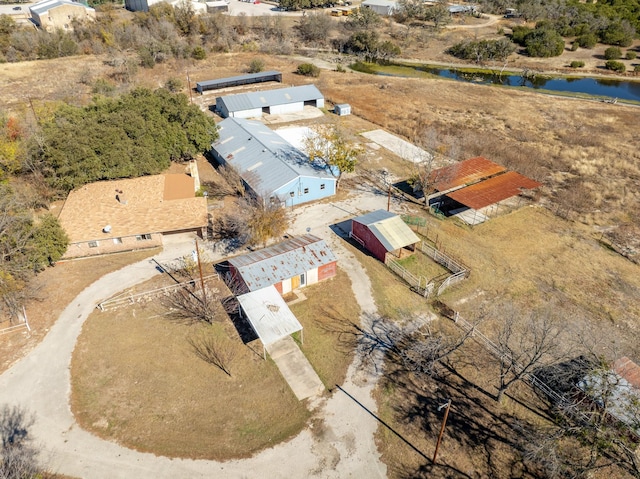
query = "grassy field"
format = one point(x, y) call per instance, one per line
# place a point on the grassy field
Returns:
point(136, 379)
point(527, 259)
point(323, 320)
point(420, 264)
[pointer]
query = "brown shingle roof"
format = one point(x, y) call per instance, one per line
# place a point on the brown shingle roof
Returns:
point(131, 207)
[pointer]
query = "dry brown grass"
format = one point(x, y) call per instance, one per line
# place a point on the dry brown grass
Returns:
point(136, 379)
point(527, 258)
point(54, 290)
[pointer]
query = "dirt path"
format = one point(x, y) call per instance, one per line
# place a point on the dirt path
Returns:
point(341, 445)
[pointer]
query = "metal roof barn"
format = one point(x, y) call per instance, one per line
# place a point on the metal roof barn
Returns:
point(389, 229)
point(381, 7)
point(464, 173)
point(285, 260)
point(269, 315)
point(493, 190)
point(269, 164)
point(247, 105)
point(239, 80)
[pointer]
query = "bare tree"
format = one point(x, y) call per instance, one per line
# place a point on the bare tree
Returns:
point(416, 346)
point(215, 350)
point(525, 341)
point(18, 456)
point(596, 420)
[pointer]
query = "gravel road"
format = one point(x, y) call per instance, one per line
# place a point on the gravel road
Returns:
point(342, 446)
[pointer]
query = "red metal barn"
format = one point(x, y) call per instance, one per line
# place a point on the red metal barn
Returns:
point(381, 232)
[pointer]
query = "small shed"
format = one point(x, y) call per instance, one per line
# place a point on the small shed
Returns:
point(342, 109)
point(58, 14)
point(381, 232)
point(289, 265)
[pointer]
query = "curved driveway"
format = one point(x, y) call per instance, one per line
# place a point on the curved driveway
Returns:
point(40, 382)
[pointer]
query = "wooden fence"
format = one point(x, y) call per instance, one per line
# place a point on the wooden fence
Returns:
point(427, 286)
point(559, 399)
point(128, 298)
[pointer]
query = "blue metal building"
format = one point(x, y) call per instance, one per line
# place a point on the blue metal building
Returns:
point(271, 167)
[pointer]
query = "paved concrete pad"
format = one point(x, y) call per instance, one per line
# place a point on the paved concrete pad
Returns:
point(400, 147)
point(295, 368)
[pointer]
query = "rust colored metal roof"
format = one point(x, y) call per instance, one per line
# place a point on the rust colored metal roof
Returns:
point(464, 173)
point(493, 190)
point(290, 258)
point(628, 370)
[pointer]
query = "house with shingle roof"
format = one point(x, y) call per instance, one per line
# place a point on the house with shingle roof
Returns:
point(129, 214)
point(271, 167)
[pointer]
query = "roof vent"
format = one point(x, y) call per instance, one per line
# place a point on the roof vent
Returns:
point(106, 229)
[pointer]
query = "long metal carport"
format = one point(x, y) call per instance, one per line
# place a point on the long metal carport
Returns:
point(273, 322)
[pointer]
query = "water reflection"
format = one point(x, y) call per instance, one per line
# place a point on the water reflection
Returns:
point(628, 90)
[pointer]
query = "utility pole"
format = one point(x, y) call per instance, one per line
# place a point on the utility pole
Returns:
point(204, 292)
point(444, 423)
point(190, 91)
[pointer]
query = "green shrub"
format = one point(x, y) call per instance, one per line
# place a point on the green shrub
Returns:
point(630, 55)
point(174, 84)
point(615, 66)
point(612, 53)
point(308, 69)
point(256, 65)
point(340, 68)
point(544, 43)
point(588, 40)
point(636, 69)
point(103, 87)
point(199, 53)
point(576, 64)
point(574, 46)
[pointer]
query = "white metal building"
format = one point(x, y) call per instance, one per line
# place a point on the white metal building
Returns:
point(381, 7)
point(273, 102)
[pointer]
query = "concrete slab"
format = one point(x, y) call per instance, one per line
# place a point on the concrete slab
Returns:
point(295, 368)
point(471, 216)
point(400, 147)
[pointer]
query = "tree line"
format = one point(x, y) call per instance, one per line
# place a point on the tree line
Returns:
point(66, 146)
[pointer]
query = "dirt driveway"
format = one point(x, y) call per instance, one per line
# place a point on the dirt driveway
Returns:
point(341, 443)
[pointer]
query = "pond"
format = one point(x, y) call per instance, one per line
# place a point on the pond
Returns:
point(600, 87)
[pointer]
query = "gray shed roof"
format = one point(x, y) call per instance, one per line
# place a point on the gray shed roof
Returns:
point(264, 159)
point(261, 99)
point(290, 258)
point(380, 3)
point(46, 5)
point(240, 79)
point(389, 229)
